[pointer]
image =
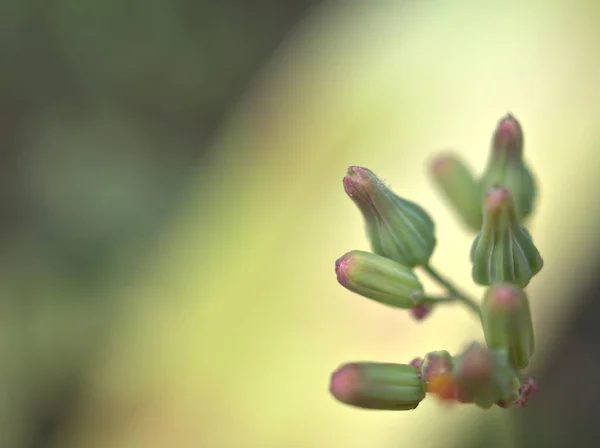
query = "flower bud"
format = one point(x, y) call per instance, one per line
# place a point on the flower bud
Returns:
point(507, 325)
point(483, 377)
point(503, 252)
point(369, 385)
point(458, 185)
point(506, 167)
point(379, 279)
point(437, 373)
point(397, 229)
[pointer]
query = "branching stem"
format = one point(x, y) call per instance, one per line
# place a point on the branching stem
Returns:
point(455, 294)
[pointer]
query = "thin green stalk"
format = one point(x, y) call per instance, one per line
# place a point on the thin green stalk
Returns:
point(432, 300)
point(452, 290)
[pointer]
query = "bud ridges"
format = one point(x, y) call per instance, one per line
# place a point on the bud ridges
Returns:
point(382, 386)
point(503, 252)
point(379, 279)
point(397, 229)
point(506, 320)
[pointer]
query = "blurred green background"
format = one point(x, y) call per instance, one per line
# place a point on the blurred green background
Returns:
point(171, 208)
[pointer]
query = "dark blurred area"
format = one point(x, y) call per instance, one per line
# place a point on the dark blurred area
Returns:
point(562, 413)
point(106, 109)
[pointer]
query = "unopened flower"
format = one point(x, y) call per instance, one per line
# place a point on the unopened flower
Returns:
point(460, 188)
point(483, 377)
point(506, 320)
point(503, 252)
point(506, 167)
point(383, 386)
point(397, 229)
point(379, 279)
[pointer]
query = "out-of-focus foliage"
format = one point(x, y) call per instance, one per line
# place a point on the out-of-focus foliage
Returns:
point(106, 110)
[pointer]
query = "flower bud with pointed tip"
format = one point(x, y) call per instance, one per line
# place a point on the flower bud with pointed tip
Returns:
point(383, 386)
point(379, 279)
point(397, 229)
point(506, 167)
point(503, 252)
point(506, 320)
point(458, 185)
point(483, 377)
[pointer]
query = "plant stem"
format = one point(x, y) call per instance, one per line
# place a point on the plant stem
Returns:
point(452, 290)
point(439, 299)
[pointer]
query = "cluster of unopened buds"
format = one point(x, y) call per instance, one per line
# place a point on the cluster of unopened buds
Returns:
point(504, 259)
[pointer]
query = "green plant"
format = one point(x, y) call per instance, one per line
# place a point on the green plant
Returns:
point(504, 259)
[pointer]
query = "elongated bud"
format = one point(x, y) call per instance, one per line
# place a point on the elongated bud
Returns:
point(397, 229)
point(369, 385)
point(458, 185)
point(503, 252)
point(379, 279)
point(483, 377)
point(506, 167)
point(507, 325)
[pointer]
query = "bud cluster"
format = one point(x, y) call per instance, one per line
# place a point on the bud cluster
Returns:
point(504, 259)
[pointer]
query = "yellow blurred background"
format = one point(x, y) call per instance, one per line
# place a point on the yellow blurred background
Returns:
point(222, 328)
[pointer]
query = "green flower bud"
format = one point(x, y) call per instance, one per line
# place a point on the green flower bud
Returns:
point(485, 378)
point(503, 252)
point(397, 229)
point(369, 385)
point(506, 167)
point(458, 185)
point(379, 279)
point(507, 325)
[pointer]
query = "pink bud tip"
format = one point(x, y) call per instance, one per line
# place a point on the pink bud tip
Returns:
point(509, 136)
point(420, 312)
point(417, 363)
point(358, 172)
point(343, 266)
point(356, 182)
point(345, 382)
point(506, 296)
point(441, 163)
point(508, 126)
point(497, 197)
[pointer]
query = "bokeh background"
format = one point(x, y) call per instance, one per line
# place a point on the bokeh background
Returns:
point(171, 207)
